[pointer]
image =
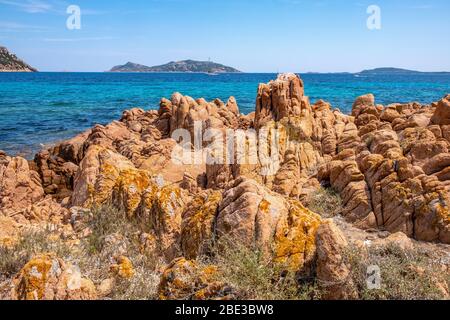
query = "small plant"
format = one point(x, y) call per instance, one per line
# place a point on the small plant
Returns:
point(325, 202)
point(112, 232)
point(30, 243)
point(405, 274)
point(253, 275)
point(106, 221)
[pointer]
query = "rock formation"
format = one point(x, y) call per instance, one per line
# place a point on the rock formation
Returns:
point(389, 164)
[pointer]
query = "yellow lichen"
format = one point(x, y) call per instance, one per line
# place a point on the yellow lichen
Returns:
point(123, 268)
point(198, 222)
point(295, 237)
point(264, 206)
point(33, 278)
point(129, 188)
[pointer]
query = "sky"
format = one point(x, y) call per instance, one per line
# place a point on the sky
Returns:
point(250, 35)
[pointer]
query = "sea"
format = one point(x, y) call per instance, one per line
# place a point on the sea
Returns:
point(40, 109)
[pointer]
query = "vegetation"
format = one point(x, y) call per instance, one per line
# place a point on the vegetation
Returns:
point(11, 61)
point(325, 201)
point(253, 275)
point(405, 274)
point(112, 233)
point(179, 66)
point(31, 243)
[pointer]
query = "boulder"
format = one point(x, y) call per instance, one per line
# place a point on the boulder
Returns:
point(20, 186)
point(185, 280)
point(333, 274)
point(442, 114)
point(47, 277)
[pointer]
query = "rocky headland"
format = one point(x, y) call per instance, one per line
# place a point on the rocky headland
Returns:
point(107, 214)
point(11, 63)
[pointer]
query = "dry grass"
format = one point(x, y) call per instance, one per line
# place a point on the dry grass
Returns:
point(405, 274)
point(255, 277)
point(325, 202)
point(30, 243)
point(112, 233)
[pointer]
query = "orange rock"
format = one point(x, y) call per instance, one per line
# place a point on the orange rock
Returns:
point(184, 280)
point(331, 270)
point(123, 268)
point(19, 186)
point(442, 114)
point(46, 277)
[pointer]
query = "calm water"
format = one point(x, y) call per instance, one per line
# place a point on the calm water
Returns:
point(42, 108)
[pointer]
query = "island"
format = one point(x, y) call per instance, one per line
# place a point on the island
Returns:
point(178, 66)
point(11, 63)
point(392, 71)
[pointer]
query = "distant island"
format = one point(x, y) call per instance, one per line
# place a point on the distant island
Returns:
point(392, 71)
point(11, 63)
point(178, 66)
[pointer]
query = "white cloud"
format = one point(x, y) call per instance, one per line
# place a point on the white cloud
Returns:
point(15, 26)
point(77, 39)
point(30, 6)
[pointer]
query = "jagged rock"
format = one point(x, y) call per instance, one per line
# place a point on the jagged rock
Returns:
point(437, 163)
point(442, 114)
point(20, 187)
point(197, 229)
point(257, 217)
point(181, 112)
point(403, 197)
point(161, 208)
point(47, 277)
point(58, 166)
point(46, 210)
point(97, 176)
point(184, 280)
point(332, 272)
point(283, 97)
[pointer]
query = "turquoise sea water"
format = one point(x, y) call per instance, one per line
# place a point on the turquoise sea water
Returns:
point(42, 108)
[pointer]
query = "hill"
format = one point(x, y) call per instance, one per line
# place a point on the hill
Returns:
point(179, 66)
point(11, 63)
point(392, 71)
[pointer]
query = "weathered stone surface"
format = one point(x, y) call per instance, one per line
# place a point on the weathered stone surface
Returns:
point(390, 165)
point(332, 272)
point(257, 217)
point(46, 277)
point(19, 186)
point(184, 280)
point(122, 267)
point(442, 114)
point(197, 228)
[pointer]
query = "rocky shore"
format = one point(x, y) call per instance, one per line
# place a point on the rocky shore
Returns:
point(389, 166)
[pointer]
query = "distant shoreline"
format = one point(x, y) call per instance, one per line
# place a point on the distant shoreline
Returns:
point(235, 73)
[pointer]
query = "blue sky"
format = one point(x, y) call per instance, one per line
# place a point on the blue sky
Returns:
point(253, 36)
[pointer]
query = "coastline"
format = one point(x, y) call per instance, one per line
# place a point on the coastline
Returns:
point(49, 108)
point(123, 177)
